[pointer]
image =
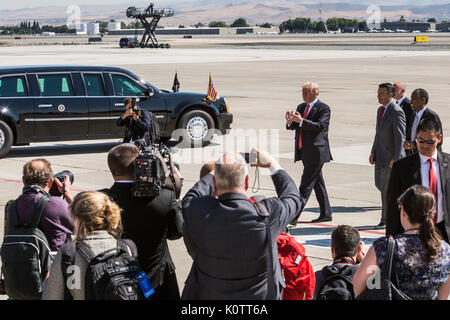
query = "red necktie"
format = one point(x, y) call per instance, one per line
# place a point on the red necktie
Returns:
point(305, 114)
point(433, 186)
point(381, 115)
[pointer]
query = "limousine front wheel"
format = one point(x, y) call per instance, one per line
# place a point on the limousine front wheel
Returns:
point(6, 139)
point(197, 128)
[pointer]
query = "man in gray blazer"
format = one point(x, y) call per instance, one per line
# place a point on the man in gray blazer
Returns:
point(227, 238)
point(388, 142)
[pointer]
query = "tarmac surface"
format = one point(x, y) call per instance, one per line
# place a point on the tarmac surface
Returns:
point(260, 83)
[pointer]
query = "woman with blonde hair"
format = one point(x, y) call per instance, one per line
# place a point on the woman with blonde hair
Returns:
point(98, 226)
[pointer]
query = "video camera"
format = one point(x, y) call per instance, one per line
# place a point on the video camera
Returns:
point(155, 169)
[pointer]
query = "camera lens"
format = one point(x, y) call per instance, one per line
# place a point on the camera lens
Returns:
point(60, 177)
point(54, 190)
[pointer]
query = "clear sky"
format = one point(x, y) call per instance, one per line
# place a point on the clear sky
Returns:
point(17, 4)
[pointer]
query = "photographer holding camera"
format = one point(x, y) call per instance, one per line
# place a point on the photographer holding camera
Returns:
point(56, 222)
point(147, 220)
point(140, 124)
point(229, 236)
point(37, 223)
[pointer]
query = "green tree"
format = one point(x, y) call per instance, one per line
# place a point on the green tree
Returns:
point(320, 27)
point(301, 24)
point(362, 26)
point(266, 25)
point(431, 20)
point(334, 24)
point(217, 24)
point(103, 26)
point(240, 22)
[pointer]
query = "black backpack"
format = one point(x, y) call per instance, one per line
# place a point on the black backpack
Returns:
point(111, 275)
point(25, 255)
point(338, 284)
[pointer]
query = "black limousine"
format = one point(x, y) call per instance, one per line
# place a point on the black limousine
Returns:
point(60, 103)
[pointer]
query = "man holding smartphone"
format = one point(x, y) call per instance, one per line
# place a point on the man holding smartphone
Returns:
point(137, 121)
point(227, 237)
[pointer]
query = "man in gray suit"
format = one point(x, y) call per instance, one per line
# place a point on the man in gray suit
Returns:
point(388, 143)
point(227, 237)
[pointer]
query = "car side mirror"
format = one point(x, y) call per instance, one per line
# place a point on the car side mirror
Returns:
point(148, 94)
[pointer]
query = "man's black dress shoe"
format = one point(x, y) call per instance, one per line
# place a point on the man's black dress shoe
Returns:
point(322, 219)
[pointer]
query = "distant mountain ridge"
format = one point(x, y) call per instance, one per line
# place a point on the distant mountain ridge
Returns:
point(254, 11)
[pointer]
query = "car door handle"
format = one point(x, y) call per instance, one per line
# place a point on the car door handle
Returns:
point(119, 104)
point(45, 106)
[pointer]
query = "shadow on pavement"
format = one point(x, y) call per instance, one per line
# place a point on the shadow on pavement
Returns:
point(310, 231)
point(82, 148)
point(324, 235)
point(60, 149)
point(341, 209)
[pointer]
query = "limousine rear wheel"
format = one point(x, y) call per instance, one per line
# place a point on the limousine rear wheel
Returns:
point(197, 128)
point(6, 139)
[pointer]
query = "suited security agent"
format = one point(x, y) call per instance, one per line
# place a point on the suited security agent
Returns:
point(403, 102)
point(311, 122)
point(388, 142)
point(227, 237)
point(419, 103)
point(429, 168)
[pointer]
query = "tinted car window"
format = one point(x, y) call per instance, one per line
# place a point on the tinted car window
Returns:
point(94, 85)
point(55, 85)
point(124, 86)
point(13, 87)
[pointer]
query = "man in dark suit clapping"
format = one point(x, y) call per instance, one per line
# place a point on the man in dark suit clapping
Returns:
point(311, 122)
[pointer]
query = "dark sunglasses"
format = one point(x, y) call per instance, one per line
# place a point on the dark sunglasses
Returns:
point(420, 140)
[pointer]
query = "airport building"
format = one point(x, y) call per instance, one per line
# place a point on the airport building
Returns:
point(443, 27)
point(409, 26)
point(199, 31)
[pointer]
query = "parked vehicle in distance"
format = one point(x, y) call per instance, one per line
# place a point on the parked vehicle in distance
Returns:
point(61, 103)
point(129, 42)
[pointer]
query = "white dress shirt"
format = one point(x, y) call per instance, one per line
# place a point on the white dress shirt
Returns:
point(416, 123)
point(425, 173)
